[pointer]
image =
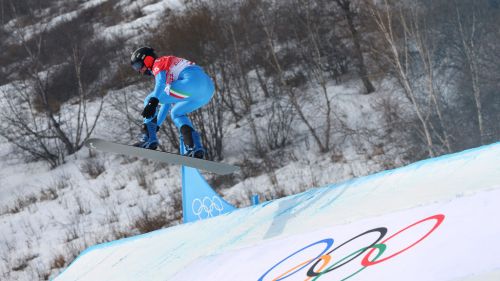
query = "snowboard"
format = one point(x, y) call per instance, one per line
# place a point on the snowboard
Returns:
point(165, 157)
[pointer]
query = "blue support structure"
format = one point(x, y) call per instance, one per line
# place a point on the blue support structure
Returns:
point(199, 200)
point(255, 199)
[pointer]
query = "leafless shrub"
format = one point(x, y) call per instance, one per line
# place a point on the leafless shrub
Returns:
point(251, 168)
point(20, 265)
point(279, 193)
point(244, 201)
point(111, 217)
point(176, 205)
point(74, 248)
point(72, 232)
point(149, 221)
point(58, 261)
point(397, 129)
point(136, 12)
point(8, 246)
point(46, 128)
point(338, 157)
point(121, 182)
point(62, 181)
point(140, 175)
point(42, 273)
point(48, 194)
point(279, 127)
point(107, 12)
point(120, 186)
point(104, 192)
point(23, 262)
point(21, 203)
point(223, 181)
point(239, 203)
point(21, 9)
point(93, 167)
point(82, 208)
point(142, 179)
point(118, 233)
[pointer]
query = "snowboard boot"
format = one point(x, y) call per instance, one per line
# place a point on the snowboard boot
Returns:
point(148, 139)
point(192, 142)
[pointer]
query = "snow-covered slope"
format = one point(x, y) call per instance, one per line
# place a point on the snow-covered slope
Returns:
point(48, 216)
point(432, 220)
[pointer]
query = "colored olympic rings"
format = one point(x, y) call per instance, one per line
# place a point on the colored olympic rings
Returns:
point(381, 230)
point(329, 243)
point(325, 259)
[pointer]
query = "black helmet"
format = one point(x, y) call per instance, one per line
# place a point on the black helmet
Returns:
point(139, 55)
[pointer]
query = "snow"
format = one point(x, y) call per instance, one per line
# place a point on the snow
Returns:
point(151, 17)
point(49, 213)
point(439, 215)
point(45, 213)
point(49, 22)
point(133, 30)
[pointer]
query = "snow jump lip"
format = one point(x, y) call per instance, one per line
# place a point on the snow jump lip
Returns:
point(437, 214)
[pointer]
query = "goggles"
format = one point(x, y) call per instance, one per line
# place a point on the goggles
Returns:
point(137, 66)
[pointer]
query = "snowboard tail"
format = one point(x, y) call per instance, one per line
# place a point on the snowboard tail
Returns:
point(165, 157)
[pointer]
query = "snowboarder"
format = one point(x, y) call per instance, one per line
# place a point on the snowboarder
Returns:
point(181, 87)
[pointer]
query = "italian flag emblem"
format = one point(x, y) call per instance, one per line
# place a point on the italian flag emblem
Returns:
point(178, 94)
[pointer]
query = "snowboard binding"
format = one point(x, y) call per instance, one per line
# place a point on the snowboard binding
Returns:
point(192, 143)
point(148, 138)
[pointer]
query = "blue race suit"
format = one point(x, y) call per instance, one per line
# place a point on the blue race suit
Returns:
point(181, 87)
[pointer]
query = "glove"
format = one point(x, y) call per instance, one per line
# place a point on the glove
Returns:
point(150, 109)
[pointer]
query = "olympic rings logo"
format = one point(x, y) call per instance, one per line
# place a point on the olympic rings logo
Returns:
point(318, 265)
point(205, 208)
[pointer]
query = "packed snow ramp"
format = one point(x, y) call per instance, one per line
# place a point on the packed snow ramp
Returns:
point(436, 219)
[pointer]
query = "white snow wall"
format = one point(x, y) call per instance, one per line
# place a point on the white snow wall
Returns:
point(436, 219)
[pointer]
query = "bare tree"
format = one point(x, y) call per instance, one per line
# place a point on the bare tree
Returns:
point(398, 56)
point(323, 142)
point(470, 33)
point(278, 129)
point(423, 40)
point(262, 153)
point(350, 16)
point(469, 46)
point(32, 120)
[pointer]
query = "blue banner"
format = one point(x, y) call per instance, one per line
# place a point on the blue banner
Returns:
point(199, 200)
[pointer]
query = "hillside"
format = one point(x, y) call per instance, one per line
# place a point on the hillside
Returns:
point(293, 106)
